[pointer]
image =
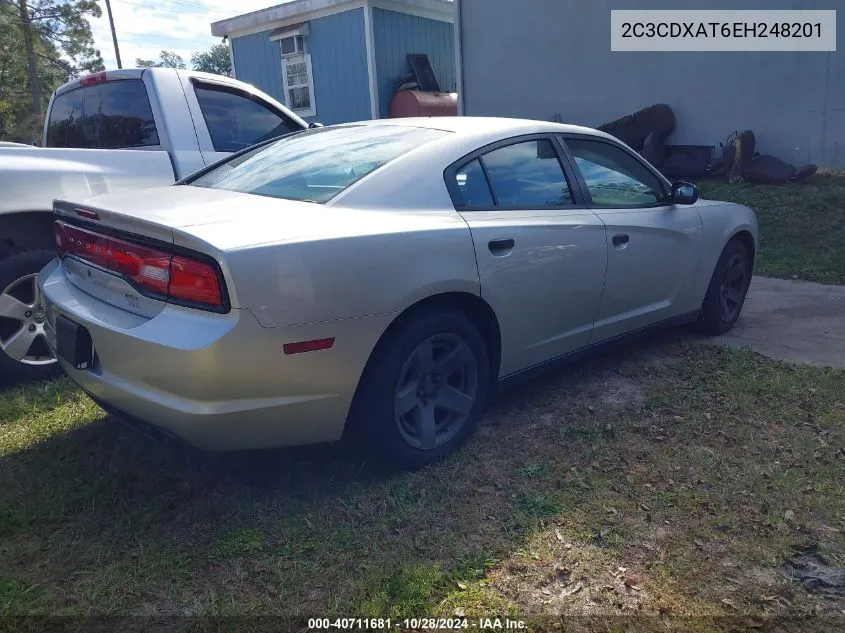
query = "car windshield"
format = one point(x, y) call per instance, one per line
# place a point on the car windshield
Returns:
point(315, 165)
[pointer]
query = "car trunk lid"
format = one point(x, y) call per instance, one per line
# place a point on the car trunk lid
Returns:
point(225, 225)
point(121, 250)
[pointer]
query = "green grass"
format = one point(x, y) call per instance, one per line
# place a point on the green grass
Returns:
point(802, 225)
point(685, 486)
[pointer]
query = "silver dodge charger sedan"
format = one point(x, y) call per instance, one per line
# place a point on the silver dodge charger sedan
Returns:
point(379, 278)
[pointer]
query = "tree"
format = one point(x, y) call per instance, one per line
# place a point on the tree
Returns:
point(57, 33)
point(171, 60)
point(216, 60)
point(167, 59)
point(19, 118)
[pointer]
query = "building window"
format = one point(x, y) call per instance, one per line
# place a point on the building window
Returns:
point(297, 75)
point(292, 44)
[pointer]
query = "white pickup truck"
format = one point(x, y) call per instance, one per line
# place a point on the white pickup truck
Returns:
point(107, 132)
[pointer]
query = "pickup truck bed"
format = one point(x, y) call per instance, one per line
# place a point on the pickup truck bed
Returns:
point(33, 177)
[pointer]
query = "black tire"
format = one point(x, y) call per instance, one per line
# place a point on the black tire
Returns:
point(374, 422)
point(727, 290)
point(14, 265)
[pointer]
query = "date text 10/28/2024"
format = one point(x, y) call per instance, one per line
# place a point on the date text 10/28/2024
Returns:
point(431, 624)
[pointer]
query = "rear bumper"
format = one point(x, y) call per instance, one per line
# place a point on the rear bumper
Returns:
point(142, 427)
point(218, 381)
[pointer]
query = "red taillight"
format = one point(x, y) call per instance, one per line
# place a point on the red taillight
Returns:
point(148, 268)
point(59, 235)
point(156, 271)
point(194, 281)
point(88, 214)
point(96, 78)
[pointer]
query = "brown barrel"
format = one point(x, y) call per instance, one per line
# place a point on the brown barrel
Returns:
point(413, 103)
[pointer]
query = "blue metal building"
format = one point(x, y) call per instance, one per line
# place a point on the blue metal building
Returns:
point(335, 61)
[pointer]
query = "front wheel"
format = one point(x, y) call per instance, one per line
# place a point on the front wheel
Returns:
point(423, 390)
point(24, 353)
point(726, 293)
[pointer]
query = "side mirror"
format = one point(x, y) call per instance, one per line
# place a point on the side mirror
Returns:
point(314, 124)
point(684, 193)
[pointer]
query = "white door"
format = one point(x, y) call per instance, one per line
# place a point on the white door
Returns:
point(654, 247)
point(541, 258)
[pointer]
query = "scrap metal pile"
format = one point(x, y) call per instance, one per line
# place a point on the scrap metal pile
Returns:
point(647, 130)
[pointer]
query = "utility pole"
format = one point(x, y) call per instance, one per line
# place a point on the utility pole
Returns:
point(113, 34)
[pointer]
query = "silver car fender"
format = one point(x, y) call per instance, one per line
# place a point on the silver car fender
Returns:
point(722, 221)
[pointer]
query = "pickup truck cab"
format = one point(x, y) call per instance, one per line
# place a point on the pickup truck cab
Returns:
point(108, 132)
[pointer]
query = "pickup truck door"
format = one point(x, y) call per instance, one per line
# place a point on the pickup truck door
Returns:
point(653, 246)
point(228, 119)
point(541, 254)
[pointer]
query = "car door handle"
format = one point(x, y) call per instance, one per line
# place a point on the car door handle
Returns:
point(500, 246)
point(620, 240)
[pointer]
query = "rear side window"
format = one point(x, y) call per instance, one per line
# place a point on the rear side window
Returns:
point(473, 186)
point(236, 120)
point(527, 174)
point(115, 114)
point(315, 165)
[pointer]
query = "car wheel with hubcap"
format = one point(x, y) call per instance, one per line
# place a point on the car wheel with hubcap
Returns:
point(728, 287)
point(24, 353)
point(423, 389)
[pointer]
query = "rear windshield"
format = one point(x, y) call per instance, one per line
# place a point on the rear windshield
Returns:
point(103, 116)
point(315, 165)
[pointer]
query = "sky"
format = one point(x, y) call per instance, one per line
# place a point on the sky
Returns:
point(145, 27)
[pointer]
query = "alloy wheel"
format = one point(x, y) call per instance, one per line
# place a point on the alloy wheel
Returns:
point(22, 317)
point(436, 391)
point(733, 287)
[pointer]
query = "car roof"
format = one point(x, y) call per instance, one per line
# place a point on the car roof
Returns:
point(474, 125)
point(138, 73)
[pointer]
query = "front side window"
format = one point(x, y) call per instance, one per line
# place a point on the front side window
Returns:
point(614, 178)
point(114, 114)
point(527, 174)
point(315, 165)
point(236, 120)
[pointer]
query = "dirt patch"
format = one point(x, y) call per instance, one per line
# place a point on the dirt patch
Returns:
point(618, 390)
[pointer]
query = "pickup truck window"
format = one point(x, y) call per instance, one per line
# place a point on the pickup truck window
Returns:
point(236, 120)
point(110, 115)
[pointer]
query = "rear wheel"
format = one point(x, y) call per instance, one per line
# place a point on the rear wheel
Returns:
point(24, 354)
point(423, 390)
point(728, 287)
